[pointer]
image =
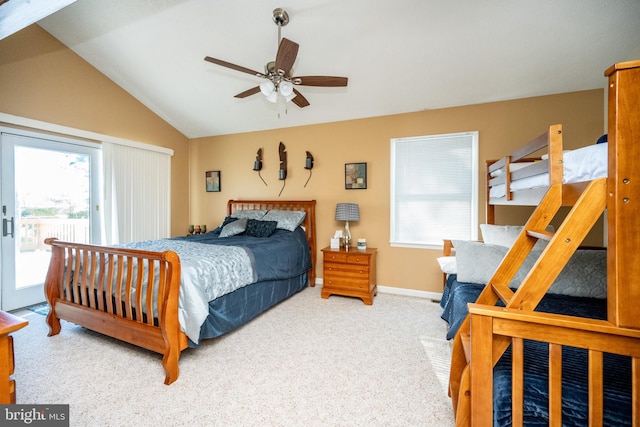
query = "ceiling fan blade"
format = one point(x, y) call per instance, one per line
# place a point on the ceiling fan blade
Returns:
point(300, 100)
point(233, 66)
point(248, 92)
point(286, 56)
point(326, 81)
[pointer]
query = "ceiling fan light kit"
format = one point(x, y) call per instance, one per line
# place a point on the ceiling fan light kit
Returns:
point(279, 72)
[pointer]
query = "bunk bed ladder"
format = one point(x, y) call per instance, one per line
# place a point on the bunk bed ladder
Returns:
point(589, 201)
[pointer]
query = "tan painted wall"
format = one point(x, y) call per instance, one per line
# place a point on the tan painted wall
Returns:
point(502, 126)
point(42, 79)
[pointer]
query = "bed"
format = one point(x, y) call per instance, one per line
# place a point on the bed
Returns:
point(523, 356)
point(518, 179)
point(588, 266)
point(170, 294)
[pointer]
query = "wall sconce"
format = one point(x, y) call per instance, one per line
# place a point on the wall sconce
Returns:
point(257, 165)
point(308, 164)
point(282, 173)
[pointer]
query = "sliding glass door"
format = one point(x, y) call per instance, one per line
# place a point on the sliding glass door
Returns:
point(50, 188)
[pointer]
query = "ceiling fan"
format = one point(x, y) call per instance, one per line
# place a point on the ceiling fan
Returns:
point(279, 72)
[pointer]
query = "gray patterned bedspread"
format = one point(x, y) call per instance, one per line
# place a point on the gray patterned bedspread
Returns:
point(207, 272)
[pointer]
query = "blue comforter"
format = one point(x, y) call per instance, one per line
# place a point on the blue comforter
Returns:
point(617, 369)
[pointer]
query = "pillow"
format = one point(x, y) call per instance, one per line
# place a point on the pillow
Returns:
point(506, 235)
point(257, 228)
point(476, 262)
point(249, 214)
point(585, 275)
point(226, 221)
point(233, 228)
point(287, 220)
point(448, 264)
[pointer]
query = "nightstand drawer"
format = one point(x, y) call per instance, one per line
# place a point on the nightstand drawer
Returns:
point(346, 270)
point(358, 259)
point(336, 257)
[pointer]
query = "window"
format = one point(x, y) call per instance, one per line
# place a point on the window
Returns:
point(434, 189)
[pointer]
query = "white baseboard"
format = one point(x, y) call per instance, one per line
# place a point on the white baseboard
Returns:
point(436, 296)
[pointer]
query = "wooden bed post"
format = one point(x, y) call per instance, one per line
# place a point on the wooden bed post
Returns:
point(623, 189)
point(52, 290)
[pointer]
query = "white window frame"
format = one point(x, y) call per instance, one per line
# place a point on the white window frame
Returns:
point(436, 151)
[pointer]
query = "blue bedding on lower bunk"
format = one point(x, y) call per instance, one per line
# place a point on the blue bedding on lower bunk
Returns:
point(617, 369)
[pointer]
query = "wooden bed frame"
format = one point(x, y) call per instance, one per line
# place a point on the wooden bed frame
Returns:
point(489, 330)
point(81, 299)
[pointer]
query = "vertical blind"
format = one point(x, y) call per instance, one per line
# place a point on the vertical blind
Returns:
point(137, 193)
point(434, 189)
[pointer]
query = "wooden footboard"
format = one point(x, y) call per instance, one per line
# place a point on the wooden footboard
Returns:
point(106, 290)
point(492, 324)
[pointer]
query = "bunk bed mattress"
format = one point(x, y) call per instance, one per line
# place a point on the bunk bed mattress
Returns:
point(584, 164)
point(213, 267)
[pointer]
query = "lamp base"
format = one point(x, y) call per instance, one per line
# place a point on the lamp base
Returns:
point(347, 236)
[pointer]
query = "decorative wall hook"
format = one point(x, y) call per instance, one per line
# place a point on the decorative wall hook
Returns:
point(282, 174)
point(257, 165)
point(308, 164)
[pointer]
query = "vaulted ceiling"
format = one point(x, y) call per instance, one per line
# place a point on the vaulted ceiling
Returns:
point(400, 56)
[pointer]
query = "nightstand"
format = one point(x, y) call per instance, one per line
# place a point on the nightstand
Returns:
point(350, 273)
point(8, 324)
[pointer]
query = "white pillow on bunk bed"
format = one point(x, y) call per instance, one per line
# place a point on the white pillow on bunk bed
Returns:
point(506, 235)
point(585, 275)
point(448, 264)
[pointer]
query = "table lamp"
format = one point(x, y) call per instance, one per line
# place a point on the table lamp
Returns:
point(347, 212)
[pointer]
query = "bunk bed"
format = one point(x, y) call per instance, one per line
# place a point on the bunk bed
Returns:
point(512, 363)
point(169, 294)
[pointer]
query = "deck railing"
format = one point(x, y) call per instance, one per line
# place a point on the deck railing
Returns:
point(33, 231)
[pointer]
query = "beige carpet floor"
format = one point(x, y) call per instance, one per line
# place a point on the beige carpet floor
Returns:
point(306, 362)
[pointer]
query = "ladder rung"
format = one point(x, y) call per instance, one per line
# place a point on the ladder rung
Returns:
point(541, 234)
point(503, 292)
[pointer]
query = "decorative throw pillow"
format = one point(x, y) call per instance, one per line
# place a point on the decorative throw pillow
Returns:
point(249, 213)
point(227, 220)
point(234, 228)
point(257, 228)
point(287, 220)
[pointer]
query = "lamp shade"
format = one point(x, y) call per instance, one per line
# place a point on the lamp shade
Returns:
point(347, 212)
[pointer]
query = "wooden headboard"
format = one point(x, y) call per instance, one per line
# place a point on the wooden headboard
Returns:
point(309, 223)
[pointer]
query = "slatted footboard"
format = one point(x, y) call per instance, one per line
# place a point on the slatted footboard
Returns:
point(490, 325)
point(128, 294)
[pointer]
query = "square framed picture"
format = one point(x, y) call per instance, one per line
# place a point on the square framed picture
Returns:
point(355, 176)
point(212, 179)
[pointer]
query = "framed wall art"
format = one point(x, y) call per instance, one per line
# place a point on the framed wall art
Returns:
point(212, 179)
point(355, 176)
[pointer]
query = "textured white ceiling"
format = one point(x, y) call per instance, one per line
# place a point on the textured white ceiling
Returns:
point(400, 56)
